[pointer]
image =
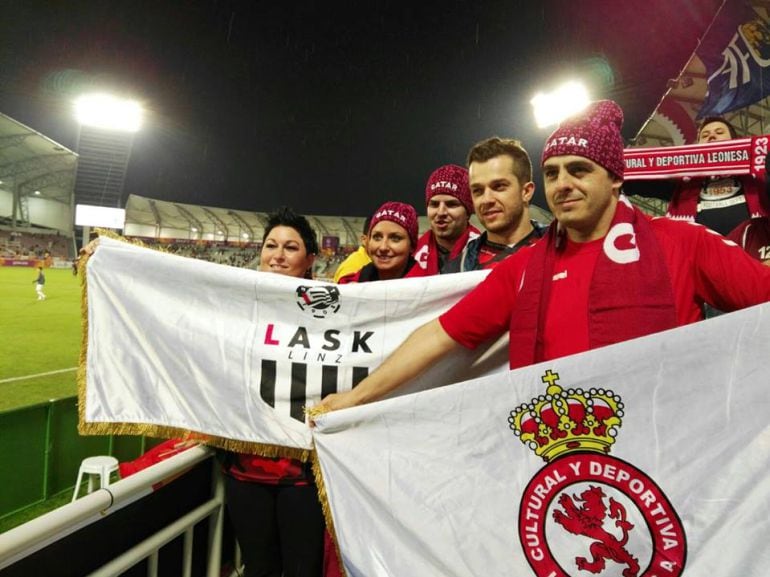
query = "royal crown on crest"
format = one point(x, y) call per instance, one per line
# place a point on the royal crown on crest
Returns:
point(563, 421)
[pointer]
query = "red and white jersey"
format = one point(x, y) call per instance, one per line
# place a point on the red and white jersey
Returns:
point(754, 236)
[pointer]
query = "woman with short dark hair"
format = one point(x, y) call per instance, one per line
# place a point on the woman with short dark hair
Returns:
point(273, 502)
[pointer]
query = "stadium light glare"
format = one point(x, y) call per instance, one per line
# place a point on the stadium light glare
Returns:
point(553, 107)
point(109, 112)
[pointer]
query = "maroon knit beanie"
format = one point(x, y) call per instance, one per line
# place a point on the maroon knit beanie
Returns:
point(593, 133)
point(452, 180)
point(400, 213)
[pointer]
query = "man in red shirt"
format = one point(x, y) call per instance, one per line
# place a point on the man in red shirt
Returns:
point(604, 273)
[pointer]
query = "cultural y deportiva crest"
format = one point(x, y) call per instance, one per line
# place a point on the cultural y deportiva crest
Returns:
point(586, 513)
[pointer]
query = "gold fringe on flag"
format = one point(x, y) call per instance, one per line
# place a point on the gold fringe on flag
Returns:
point(324, 498)
point(165, 432)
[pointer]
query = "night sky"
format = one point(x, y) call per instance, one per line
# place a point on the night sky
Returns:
point(329, 107)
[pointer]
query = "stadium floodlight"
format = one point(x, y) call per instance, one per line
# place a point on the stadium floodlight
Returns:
point(109, 112)
point(551, 108)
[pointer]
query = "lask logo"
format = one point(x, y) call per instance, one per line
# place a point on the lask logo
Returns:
point(319, 300)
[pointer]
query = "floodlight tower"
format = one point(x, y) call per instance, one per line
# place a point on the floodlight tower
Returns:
point(105, 138)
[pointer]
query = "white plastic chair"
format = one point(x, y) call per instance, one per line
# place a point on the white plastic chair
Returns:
point(94, 467)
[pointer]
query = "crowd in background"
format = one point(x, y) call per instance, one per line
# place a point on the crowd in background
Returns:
point(242, 255)
point(31, 245)
point(48, 247)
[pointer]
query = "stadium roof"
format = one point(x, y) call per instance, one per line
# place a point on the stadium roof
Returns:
point(162, 219)
point(34, 165)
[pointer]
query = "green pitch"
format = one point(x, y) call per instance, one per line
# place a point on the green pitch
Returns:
point(38, 337)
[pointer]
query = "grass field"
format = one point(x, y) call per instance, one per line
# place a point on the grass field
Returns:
point(38, 336)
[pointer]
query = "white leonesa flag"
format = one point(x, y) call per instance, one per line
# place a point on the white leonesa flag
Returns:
point(186, 345)
point(647, 458)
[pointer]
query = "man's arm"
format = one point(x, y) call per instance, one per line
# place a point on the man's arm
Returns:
point(419, 351)
point(726, 276)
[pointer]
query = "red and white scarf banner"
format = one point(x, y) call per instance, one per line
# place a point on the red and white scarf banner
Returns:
point(729, 157)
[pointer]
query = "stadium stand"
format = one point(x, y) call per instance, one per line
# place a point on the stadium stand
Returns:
point(15, 244)
point(37, 178)
point(242, 255)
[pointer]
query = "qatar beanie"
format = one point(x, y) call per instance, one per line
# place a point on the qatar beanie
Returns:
point(452, 180)
point(593, 133)
point(400, 213)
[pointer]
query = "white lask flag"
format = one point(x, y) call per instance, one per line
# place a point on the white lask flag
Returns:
point(658, 463)
point(177, 344)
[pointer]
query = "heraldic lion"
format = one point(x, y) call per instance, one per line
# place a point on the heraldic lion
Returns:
point(587, 520)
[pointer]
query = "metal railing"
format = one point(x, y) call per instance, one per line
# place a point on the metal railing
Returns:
point(27, 539)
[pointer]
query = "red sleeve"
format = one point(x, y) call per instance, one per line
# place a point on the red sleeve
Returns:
point(485, 312)
point(715, 269)
point(736, 235)
point(726, 276)
point(754, 237)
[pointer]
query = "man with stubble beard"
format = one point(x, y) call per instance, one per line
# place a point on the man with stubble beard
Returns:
point(500, 178)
